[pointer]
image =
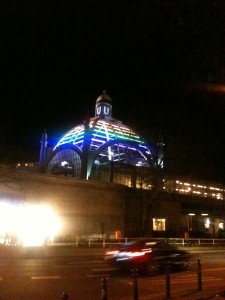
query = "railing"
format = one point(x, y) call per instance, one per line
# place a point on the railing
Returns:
point(112, 242)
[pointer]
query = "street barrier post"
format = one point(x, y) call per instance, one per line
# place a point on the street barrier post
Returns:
point(167, 280)
point(135, 283)
point(104, 285)
point(64, 296)
point(199, 269)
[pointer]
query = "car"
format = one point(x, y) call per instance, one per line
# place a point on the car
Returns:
point(148, 256)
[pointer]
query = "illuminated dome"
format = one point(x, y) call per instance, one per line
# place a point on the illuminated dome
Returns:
point(99, 141)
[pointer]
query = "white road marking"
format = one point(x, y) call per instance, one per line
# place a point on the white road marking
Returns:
point(98, 275)
point(45, 277)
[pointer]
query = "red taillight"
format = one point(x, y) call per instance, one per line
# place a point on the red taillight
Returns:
point(129, 255)
point(135, 254)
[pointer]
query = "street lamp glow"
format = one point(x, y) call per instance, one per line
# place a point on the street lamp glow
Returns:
point(28, 225)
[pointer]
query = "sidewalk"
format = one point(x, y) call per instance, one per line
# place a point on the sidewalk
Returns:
point(194, 294)
point(156, 289)
point(184, 285)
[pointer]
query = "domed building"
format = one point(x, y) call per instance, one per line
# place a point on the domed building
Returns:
point(145, 200)
point(102, 148)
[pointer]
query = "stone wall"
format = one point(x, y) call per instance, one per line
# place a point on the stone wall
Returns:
point(92, 208)
point(85, 207)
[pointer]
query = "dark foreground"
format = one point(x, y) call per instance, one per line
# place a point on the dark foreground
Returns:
point(44, 273)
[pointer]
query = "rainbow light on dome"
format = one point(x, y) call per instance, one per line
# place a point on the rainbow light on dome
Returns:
point(74, 136)
point(102, 132)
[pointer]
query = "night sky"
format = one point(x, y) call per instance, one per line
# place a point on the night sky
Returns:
point(161, 62)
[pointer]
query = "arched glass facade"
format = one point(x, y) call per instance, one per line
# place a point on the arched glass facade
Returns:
point(111, 141)
point(66, 162)
point(96, 146)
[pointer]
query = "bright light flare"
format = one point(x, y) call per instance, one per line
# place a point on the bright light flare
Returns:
point(113, 252)
point(29, 225)
point(135, 254)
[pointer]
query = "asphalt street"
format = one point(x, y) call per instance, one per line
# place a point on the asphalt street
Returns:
point(44, 273)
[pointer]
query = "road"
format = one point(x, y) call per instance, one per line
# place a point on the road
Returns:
point(37, 275)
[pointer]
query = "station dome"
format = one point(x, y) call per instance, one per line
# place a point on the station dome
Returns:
point(98, 141)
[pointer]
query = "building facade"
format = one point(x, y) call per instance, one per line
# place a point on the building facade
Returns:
point(103, 149)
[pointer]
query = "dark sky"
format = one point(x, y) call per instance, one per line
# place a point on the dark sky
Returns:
point(162, 63)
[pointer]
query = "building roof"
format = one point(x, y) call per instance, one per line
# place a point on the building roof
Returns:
point(100, 140)
point(117, 138)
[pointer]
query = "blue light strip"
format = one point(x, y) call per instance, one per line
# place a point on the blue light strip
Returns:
point(103, 132)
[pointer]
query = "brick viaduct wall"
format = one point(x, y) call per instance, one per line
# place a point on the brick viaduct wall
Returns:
point(94, 208)
point(85, 207)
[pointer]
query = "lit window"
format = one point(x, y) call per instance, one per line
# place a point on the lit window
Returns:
point(207, 222)
point(221, 225)
point(159, 224)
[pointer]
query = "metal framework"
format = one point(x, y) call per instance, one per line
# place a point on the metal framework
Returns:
point(100, 140)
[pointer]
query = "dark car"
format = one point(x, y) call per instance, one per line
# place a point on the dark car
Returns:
point(148, 256)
